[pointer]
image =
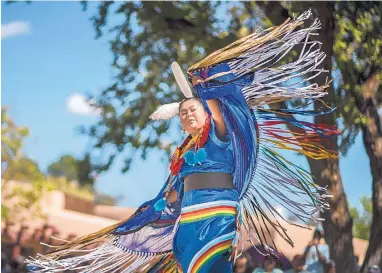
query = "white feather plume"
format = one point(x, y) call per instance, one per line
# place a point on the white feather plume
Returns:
point(166, 111)
point(181, 80)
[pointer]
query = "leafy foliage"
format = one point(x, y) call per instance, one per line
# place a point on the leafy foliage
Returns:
point(73, 169)
point(18, 198)
point(12, 137)
point(23, 169)
point(357, 51)
point(66, 166)
point(362, 218)
point(85, 173)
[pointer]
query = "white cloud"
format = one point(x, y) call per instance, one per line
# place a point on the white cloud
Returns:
point(15, 28)
point(78, 104)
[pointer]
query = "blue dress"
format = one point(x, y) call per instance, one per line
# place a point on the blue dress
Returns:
point(207, 226)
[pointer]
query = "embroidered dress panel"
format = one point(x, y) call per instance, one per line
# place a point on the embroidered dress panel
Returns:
point(219, 156)
point(206, 232)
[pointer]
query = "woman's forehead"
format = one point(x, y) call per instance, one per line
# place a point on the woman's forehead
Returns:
point(188, 104)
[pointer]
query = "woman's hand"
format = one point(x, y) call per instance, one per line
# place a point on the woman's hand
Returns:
point(172, 197)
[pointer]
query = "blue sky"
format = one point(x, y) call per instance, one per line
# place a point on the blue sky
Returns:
point(50, 59)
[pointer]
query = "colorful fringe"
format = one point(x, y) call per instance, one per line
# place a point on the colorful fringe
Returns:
point(310, 140)
point(278, 182)
point(262, 53)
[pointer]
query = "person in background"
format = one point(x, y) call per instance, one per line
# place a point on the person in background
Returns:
point(357, 263)
point(241, 264)
point(316, 253)
point(18, 265)
point(269, 266)
point(298, 265)
point(279, 264)
point(5, 267)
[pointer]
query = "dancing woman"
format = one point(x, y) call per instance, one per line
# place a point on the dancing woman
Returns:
point(227, 176)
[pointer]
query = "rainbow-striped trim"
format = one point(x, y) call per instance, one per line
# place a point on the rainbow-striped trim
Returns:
point(178, 268)
point(214, 248)
point(207, 210)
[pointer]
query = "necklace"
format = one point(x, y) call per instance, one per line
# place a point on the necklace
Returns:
point(177, 159)
point(197, 141)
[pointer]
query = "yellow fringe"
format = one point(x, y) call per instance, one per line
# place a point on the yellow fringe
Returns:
point(311, 150)
point(240, 46)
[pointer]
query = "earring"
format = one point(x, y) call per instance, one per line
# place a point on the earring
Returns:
point(184, 131)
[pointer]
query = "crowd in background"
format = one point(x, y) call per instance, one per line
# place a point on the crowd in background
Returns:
point(12, 265)
point(314, 259)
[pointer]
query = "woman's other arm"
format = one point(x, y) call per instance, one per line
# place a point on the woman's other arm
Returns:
point(217, 116)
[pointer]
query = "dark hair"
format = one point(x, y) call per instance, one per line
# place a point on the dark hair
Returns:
point(318, 232)
point(249, 265)
point(187, 99)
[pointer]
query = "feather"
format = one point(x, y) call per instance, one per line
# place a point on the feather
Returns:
point(166, 111)
point(181, 80)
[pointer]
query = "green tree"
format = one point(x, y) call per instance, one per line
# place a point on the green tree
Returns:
point(66, 166)
point(80, 170)
point(24, 169)
point(12, 137)
point(85, 171)
point(14, 165)
point(18, 198)
point(358, 50)
point(362, 219)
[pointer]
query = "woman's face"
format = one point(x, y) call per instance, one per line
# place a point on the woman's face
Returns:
point(192, 116)
point(241, 265)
